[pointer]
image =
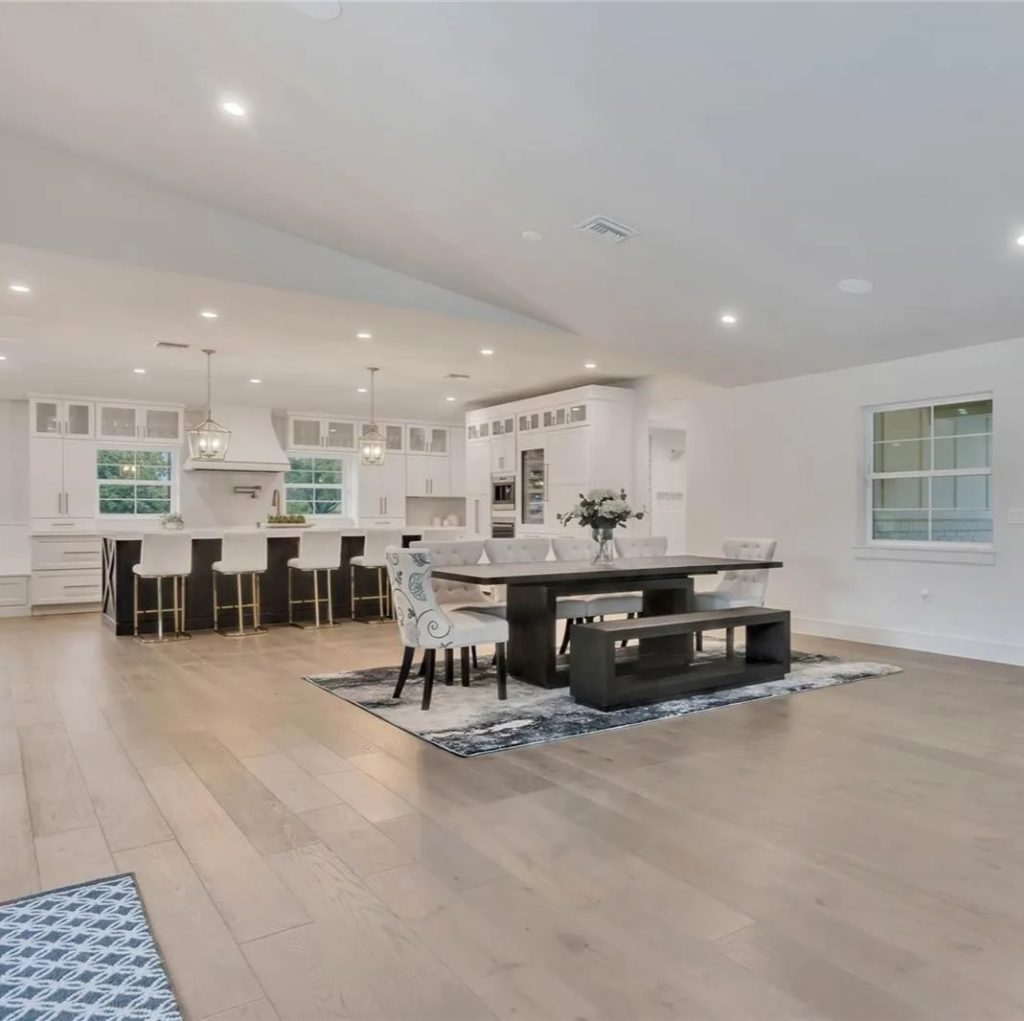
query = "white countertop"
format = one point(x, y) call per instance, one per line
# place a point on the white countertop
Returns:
point(136, 533)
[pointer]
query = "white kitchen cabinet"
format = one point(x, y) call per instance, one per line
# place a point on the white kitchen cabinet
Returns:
point(57, 417)
point(427, 475)
point(382, 490)
point(139, 423)
point(457, 463)
point(529, 421)
point(503, 454)
point(393, 433)
point(428, 439)
point(62, 482)
point(319, 432)
point(478, 467)
point(568, 456)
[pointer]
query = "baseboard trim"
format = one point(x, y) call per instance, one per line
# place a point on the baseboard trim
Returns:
point(15, 611)
point(919, 641)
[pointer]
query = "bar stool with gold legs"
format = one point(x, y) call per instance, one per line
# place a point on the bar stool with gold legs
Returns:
point(241, 553)
point(319, 550)
point(373, 558)
point(164, 555)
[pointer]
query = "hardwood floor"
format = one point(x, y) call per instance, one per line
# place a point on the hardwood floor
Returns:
point(854, 853)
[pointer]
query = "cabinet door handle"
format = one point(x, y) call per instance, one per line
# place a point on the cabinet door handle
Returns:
point(60, 503)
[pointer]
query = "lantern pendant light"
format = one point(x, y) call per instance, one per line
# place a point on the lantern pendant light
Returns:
point(208, 441)
point(372, 444)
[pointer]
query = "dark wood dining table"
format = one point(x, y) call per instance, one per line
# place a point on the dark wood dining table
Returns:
point(666, 584)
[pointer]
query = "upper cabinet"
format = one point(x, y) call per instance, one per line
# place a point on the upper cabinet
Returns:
point(139, 423)
point(71, 419)
point(428, 439)
point(393, 433)
point(318, 432)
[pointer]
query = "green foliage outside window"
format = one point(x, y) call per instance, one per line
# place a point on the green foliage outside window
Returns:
point(314, 485)
point(134, 481)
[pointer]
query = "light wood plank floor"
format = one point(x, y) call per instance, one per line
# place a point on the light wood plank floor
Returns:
point(855, 853)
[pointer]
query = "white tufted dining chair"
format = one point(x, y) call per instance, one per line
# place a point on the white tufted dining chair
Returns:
point(584, 548)
point(423, 624)
point(641, 546)
point(533, 551)
point(738, 588)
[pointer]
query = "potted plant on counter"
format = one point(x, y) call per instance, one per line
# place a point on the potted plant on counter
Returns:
point(602, 511)
point(172, 522)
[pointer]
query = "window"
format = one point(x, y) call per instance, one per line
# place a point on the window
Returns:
point(930, 473)
point(315, 485)
point(135, 481)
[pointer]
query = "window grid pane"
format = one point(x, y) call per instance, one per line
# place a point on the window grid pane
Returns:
point(314, 485)
point(931, 474)
point(134, 482)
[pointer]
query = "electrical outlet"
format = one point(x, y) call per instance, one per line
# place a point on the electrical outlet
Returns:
point(1016, 516)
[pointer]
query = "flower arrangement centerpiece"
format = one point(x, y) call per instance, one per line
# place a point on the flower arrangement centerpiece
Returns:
point(602, 511)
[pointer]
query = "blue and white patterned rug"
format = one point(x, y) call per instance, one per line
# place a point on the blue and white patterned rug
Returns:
point(82, 953)
point(471, 721)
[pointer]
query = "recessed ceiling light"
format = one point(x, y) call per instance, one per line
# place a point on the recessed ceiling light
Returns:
point(728, 318)
point(255, 380)
point(140, 372)
point(208, 313)
point(532, 235)
point(3, 358)
point(319, 10)
point(1020, 241)
point(590, 365)
point(449, 398)
point(854, 285)
point(361, 390)
point(486, 351)
point(20, 288)
point(363, 335)
point(233, 108)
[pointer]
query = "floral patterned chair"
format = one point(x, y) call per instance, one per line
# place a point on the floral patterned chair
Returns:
point(422, 624)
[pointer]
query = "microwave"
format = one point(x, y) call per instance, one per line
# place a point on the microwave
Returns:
point(503, 492)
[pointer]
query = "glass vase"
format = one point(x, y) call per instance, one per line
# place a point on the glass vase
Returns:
point(603, 538)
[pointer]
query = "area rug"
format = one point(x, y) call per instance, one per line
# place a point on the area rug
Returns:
point(471, 721)
point(82, 952)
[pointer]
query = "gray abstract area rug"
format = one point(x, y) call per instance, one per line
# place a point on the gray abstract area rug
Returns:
point(82, 952)
point(471, 721)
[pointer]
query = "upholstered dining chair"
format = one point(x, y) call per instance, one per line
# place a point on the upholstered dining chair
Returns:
point(738, 588)
point(641, 546)
point(532, 551)
point(423, 624)
point(584, 548)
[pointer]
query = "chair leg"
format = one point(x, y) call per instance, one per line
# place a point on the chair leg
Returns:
point(135, 605)
point(403, 674)
point(449, 667)
point(330, 599)
point(316, 597)
point(352, 590)
point(257, 596)
point(238, 595)
point(473, 653)
point(216, 610)
point(291, 616)
point(502, 674)
point(423, 665)
point(730, 642)
point(160, 608)
point(184, 590)
point(625, 641)
point(380, 593)
point(565, 638)
point(464, 662)
point(699, 641)
point(428, 681)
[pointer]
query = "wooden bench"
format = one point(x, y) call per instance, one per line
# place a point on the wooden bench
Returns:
point(661, 665)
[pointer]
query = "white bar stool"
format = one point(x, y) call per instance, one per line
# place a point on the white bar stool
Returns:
point(374, 558)
point(164, 555)
point(319, 550)
point(241, 553)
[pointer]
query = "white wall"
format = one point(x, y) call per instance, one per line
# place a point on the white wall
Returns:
point(666, 497)
point(785, 459)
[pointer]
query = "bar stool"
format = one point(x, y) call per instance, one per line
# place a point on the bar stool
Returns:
point(319, 550)
point(241, 553)
point(374, 558)
point(164, 555)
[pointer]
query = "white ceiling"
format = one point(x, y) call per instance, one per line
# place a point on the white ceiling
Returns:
point(763, 151)
point(87, 325)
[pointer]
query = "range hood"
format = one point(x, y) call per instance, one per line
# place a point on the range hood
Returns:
point(254, 446)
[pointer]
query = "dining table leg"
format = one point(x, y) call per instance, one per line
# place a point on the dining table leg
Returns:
point(531, 635)
point(664, 601)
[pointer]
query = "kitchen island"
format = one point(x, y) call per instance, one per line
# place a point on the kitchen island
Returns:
point(122, 549)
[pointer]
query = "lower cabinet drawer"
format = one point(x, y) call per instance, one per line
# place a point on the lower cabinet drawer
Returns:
point(63, 526)
point(14, 591)
point(66, 552)
point(66, 587)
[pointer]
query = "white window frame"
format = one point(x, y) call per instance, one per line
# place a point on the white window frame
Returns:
point(136, 448)
point(348, 460)
point(871, 476)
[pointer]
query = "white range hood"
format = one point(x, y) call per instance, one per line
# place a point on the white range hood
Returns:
point(253, 447)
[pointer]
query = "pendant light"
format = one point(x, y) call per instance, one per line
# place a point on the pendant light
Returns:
point(208, 441)
point(372, 444)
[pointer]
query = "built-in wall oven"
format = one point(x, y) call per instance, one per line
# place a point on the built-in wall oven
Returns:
point(503, 506)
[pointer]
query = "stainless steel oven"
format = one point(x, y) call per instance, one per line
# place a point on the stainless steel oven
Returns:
point(503, 506)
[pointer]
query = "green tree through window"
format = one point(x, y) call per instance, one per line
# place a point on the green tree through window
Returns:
point(134, 481)
point(314, 485)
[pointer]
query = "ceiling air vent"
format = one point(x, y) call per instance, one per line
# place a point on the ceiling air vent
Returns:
point(608, 230)
point(457, 375)
point(172, 345)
